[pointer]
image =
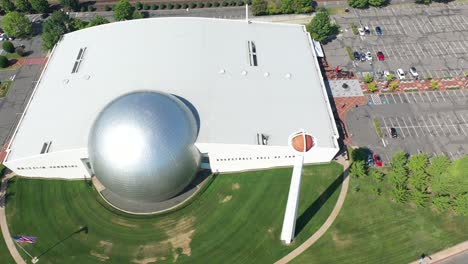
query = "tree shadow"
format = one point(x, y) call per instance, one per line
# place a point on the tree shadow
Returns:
point(312, 210)
point(82, 229)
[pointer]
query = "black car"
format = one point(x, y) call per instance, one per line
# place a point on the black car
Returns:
point(363, 56)
point(378, 31)
point(356, 55)
point(393, 132)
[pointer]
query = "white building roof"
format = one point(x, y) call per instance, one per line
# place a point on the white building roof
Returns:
point(205, 61)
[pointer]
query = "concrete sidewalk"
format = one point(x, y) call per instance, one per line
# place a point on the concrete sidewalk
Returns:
point(444, 254)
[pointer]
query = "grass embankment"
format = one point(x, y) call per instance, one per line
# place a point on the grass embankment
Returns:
point(237, 219)
point(373, 229)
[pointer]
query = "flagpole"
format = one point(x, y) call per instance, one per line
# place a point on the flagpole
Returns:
point(33, 259)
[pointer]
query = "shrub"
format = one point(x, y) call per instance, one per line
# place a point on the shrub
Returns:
point(372, 87)
point(216, 4)
point(146, 7)
point(390, 77)
point(434, 85)
point(461, 204)
point(232, 3)
point(107, 8)
point(170, 6)
point(354, 28)
point(208, 4)
point(154, 7)
point(224, 3)
point(4, 62)
point(376, 175)
point(400, 195)
point(177, 6)
point(441, 203)
point(393, 86)
point(378, 129)
point(419, 198)
point(249, 2)
point(138, 6)
point(428, 78)
point(184, 5)
point(200, 5)
point(358, 169)
point(8, 47)
point(162, 6)
point(367, 78)
point(240, 3)
point(350, 52)
point(20, 51)
point(192, 5)
point(83, 9)
point(90, 8)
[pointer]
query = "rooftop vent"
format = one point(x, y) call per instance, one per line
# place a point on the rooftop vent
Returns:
point(252, 53)
point(46, 147)
point(79, 59)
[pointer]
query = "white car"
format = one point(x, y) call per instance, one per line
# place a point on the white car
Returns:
point(369, 56)
point(413, 72)
point(361, 31)
point(387, 73)
point(401, 74)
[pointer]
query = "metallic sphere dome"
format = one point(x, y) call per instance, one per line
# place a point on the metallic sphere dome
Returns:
point(141, 146)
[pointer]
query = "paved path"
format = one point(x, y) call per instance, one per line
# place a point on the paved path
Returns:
point(440, 256)
point(309, 242)
point(3, 222)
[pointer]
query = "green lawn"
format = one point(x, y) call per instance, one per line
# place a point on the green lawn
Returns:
point(372, 229)
point(4, 254)
point(237, 219)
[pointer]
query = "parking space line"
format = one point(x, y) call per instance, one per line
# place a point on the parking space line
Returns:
point(454, 128)
point(411, 122)
point(442, 128)
point(406, 126)
point(461, 126)
point(401, 128)
point(448, 96)
point(401, 99)
point(422, 99)
point(386, 127)
point(428, 97)
point(429, 131)
point(464, 122)
point(443, 97)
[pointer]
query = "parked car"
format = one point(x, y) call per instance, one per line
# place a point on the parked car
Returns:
point(368, 56)
point(378, 31)
point(363, 56)
point(401, 74)
point(370, 160)
point(413, 72)
point(377, 160)
point(387, 73)
point(357, 56)
point(367, 30)
point(380, 56)
point(361, 31)
point(393, 132)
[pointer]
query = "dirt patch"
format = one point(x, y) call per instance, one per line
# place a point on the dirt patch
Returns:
point(226, 199)
point(122, 222)
point(339, 241)
point(104, 248)
point(181, 236)
point(100, 257)
point(236, 186)
point(146, 260)
point(151, 253)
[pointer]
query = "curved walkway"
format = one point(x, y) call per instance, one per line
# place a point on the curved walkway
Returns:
point(309, 242)
point(3, 222)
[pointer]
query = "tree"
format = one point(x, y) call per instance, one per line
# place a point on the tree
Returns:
point(259, 7)
point(302, 6)
point(367, 78)
point(400, 195)
point(76, 24)
point(419, 198)
point(399, 160)
point(321, 28)
point(398, 179)
point(8, 6)
point(54, 28)
point(358, 169)
point(377, 3)
point(97, 20)
point(137, 15)
point(8, 47)
point(70, 4)
point(418, 162)
point(273, 8)
point(4, 62)
point(438, 166)
point(23, 5)
point(372, 87)
point(40, 6)
point(442, 203)
point(16, 24)
point(286, 6)
point(123, 10)
point(359, 154)
point(460, 205)
point(426, 2)
point(419, 180)
point(376, 175)
point(358, 3)
point(390, 77)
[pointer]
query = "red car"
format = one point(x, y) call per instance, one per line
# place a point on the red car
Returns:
point(380, 56)
point(377, 160)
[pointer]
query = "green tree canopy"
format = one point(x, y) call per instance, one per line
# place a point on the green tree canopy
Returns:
point(358, 3)
point(40, 6)
point(70, 4)
point(97, 20)
point(8, 47)
point(4, 62)
point(358, 169)
point(259, 7)
point(461, 204)
point(418, 162)
point(377, 3)
point(8, 6)
point(286, 6)
point(137, 15)
point(399, 160)
point(419, 180)
point(23, 5)
point(54, 28)
point(321, 28)
point(123, 10)
point(16, 24)
point(439, 165)
point(302, 6)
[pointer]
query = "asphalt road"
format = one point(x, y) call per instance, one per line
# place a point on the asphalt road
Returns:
point(432, 38)
point(457, 259)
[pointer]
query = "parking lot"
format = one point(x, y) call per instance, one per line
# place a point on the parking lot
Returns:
point(433, 38)
point(432, 122)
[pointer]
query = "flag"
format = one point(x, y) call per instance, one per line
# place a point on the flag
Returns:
point(25, 239)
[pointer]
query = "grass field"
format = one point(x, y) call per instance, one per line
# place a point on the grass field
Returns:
point(373, 229)
point(237, 219)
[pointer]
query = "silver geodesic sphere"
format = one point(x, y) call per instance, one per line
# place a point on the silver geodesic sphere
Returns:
point(141, 146)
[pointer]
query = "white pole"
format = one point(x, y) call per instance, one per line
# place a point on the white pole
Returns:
point(247, 13)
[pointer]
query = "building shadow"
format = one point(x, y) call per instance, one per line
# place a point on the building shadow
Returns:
point(82, 229)
point(312, 210)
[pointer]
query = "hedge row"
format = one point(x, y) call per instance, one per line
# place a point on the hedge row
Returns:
point(161, 6)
